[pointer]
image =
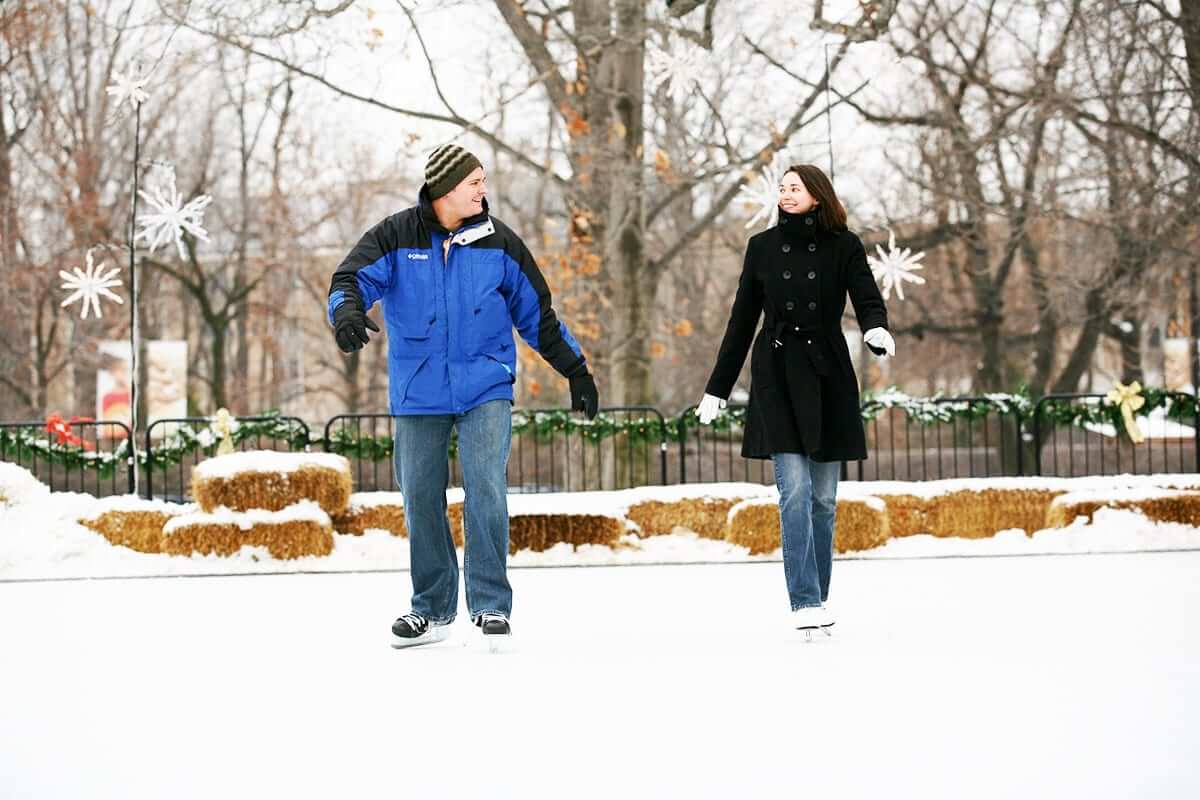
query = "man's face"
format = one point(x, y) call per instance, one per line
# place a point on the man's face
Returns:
point(466, 199)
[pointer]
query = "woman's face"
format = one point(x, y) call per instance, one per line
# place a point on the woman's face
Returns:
point(793, 195)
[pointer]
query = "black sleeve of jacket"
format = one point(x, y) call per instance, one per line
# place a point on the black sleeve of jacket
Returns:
point(864, 293)
point(369, 249)
point(552, 346)
point(739, 333)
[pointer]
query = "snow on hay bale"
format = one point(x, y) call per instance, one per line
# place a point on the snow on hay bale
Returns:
point(19, 486)
point(303, 529)
point(272, 481)
point(372, 510)
point(861, 524)
point(701, 508)
point(1160, 505)
point(133, 522)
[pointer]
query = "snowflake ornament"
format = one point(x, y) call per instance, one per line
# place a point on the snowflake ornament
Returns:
point(680, 65)
point(131, 88)
point(171, 216)
point(762, 194)
point(894, 267)
point(89, 284)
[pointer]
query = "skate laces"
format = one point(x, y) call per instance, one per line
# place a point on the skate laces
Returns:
point(484, 618)
point(414, 621)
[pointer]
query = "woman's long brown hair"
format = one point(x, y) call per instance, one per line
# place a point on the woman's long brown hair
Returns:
point(830, 212)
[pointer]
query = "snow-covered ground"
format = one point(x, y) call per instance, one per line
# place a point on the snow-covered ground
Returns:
point(1053, 676)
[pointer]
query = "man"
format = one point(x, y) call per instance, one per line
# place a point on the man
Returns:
point(453, 281)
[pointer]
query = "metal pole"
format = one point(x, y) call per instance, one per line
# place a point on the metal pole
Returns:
point(133, 304)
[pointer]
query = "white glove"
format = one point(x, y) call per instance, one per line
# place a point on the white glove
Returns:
point(708, 408)
point(881, 339)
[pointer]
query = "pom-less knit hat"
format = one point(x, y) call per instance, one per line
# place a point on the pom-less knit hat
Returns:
point(447, 167)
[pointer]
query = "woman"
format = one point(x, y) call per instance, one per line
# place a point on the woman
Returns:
point(803, 409)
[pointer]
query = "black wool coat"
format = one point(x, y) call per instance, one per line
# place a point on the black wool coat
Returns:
point(803, 390)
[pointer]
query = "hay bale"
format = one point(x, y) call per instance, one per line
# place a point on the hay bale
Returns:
point(19, 486)
point(984, 512)
point(303, 529)
point(754, 524)
point(132, 522)
point(861, 524)
point(376, 510)
point(540, 532)
point(906, 513)
point(698, 507)
point(706, 517)
point(272, 481)
point(1160, 505)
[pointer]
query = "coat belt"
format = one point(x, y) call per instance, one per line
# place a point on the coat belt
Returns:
point(814, 343)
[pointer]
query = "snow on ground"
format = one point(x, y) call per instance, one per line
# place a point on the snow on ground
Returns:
point(945, 678)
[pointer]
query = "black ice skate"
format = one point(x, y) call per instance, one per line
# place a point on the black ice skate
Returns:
point(495, 629)
point(411, 630)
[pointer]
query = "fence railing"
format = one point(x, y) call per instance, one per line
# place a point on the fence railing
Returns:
point(553, 450)
point(91, 456)
point(1090, 444)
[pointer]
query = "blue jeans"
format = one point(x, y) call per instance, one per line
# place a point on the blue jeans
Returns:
point(423, 472)
point(807, 509)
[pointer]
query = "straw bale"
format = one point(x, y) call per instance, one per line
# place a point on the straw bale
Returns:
point(454, 512)
point(291, 533)
point(385, 516)
point(137, 529)
point(248, 488)
point(754, 524)
point(906, 513)
point(705, 516)
point(1181, 507)
point(980, 514)
point(539, 532)
point(861, 524)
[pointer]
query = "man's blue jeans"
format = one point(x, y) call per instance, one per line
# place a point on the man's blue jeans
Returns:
point(423, 471)
point(807, 509)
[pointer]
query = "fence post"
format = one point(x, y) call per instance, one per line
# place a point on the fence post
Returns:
point(683, 445)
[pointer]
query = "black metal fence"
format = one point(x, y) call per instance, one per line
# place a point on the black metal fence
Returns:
point(1059, 435)
point(86, 456)
point(1072, 450)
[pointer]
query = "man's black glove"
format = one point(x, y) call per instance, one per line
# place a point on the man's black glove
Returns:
point(350, 327)
point(584, 396)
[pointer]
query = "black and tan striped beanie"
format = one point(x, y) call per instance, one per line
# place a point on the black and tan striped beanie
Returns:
point(447, 167)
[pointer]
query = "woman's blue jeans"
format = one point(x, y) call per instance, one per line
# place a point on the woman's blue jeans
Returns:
point(807, 510)
point(423, 471)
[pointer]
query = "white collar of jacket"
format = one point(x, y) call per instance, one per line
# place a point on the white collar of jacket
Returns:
point(476, 231)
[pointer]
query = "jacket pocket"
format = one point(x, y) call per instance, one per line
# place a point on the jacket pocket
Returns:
point(500, 359)
point(403, 374)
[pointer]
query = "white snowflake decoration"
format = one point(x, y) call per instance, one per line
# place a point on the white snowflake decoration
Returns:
point(762, 194)
point(895, 266)
point(88, 285)
point(680, 66)
point(171, 216)
point(131, 88)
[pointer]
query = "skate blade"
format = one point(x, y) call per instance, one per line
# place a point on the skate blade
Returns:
point(808, 631)
point(497, 643)
point(434, 635)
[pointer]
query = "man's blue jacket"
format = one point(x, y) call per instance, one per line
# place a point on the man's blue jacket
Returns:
point(450, 317)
